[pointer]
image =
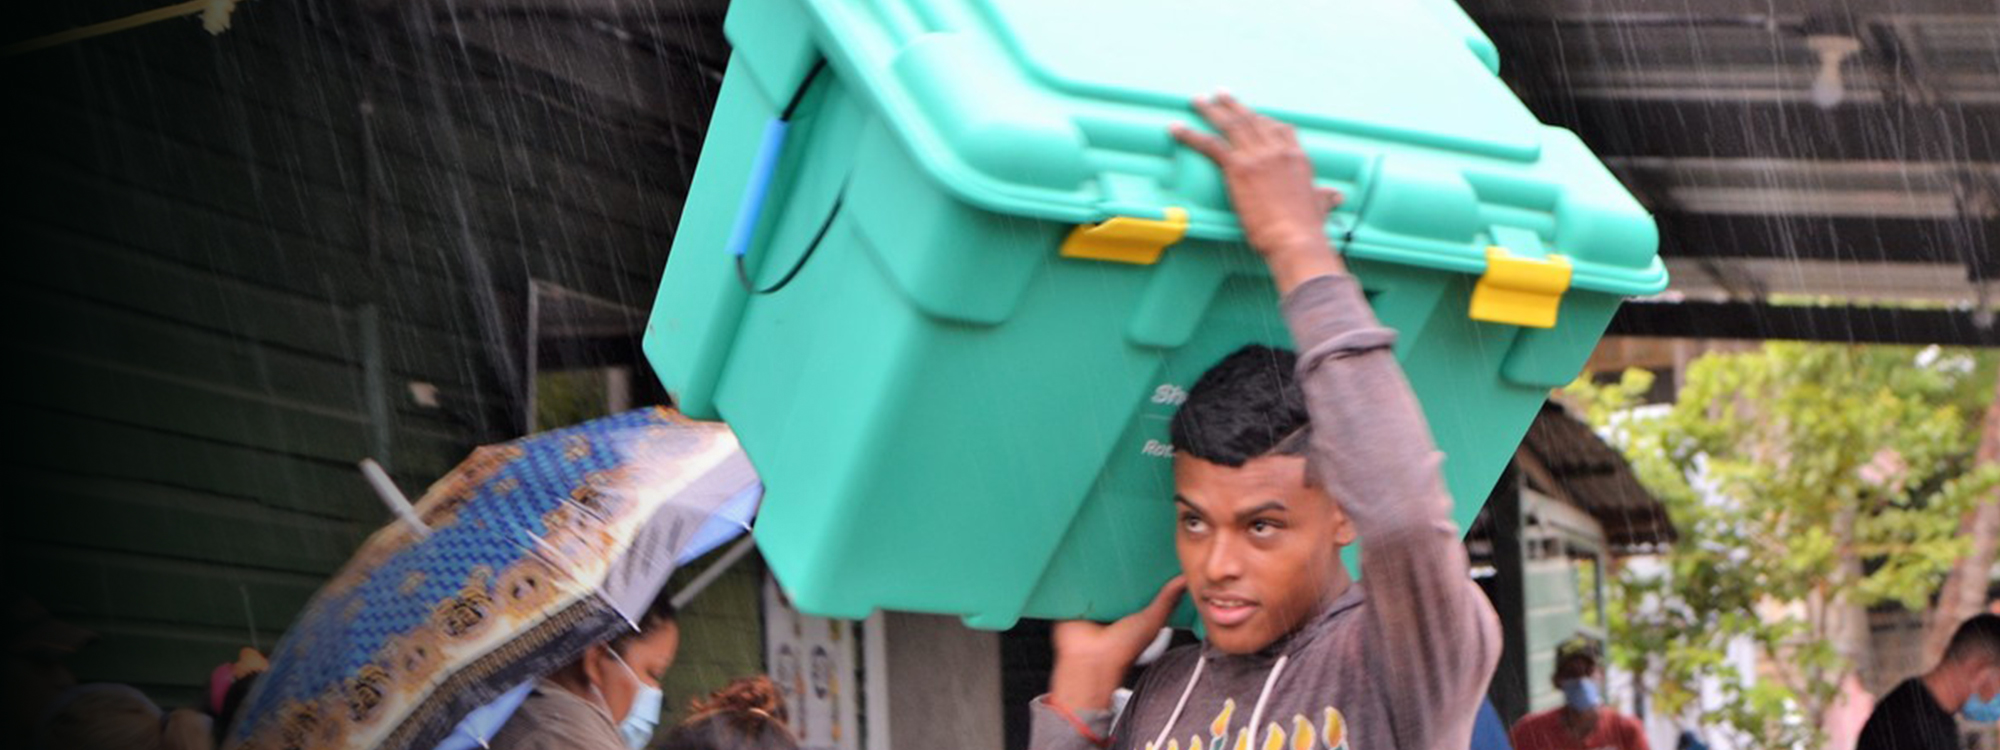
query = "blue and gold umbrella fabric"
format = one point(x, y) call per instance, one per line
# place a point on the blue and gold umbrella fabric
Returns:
point(535, 549)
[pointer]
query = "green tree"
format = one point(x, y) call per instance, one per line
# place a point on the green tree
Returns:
point(1808, 482)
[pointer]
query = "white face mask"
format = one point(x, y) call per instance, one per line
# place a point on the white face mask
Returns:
point(643, 716)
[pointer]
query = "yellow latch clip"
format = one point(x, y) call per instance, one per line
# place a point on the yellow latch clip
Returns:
point(1125, 239)
point(1520, 291)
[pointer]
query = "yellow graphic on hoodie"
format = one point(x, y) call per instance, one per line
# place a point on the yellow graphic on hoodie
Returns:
point(1274, 738)
point(1335, 730)
point(1219, 729)
point(1302, 734)
point(1331, 734)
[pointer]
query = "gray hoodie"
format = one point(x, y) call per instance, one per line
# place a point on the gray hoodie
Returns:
point(1400, 660)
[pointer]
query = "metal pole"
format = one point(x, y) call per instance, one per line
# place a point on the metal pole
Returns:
point(700, 582)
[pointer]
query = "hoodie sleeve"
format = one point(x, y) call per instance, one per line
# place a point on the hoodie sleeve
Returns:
point(1049, 729)
point(1436, 637)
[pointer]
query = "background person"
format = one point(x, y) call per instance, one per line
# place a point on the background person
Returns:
point(1582, 722)
point(1917, 715)
point(583, 705)
point(748, 714)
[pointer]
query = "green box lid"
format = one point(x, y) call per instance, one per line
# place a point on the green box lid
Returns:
point(1057, 109)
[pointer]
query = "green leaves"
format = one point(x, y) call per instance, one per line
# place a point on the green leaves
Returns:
point(1785, 469)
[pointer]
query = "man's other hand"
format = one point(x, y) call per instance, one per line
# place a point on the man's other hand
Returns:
point(1092, 658)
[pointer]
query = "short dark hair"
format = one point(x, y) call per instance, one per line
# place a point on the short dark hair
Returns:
point(660, 614)
point(1246, 406)
point(1976, 638)
point(1579, 648)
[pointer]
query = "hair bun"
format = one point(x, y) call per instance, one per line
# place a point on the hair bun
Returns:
point(751, 695)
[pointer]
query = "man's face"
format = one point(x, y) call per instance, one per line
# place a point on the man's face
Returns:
point(1260, 548)
point(1986, 682)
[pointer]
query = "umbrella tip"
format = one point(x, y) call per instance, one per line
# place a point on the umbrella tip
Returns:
point(385, 488)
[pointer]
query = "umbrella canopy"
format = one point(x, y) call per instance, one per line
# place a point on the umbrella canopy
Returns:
point(479, 727)
point(533, 551)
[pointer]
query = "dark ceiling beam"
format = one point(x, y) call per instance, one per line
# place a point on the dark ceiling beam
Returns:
point(1566, 60)
point(1751, 320)
point(1855, 130)
point(1486, 9)
point(1975, 244)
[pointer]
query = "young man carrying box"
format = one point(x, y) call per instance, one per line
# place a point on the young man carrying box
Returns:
point(1281, 461)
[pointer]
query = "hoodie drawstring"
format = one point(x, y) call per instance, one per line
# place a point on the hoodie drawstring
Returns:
point(1256, 714)
point(1175, 717)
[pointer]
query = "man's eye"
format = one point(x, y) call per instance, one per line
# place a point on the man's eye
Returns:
point(1192, 523)
point(1263, 528)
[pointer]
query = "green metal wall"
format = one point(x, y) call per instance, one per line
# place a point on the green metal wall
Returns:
point(225, 280)
point(722, 634)
point(1563, 599)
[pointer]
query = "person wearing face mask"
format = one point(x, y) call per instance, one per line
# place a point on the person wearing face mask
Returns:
point(1917, 715)
point(648, 652)
point(1582, 722)
point(608, 699)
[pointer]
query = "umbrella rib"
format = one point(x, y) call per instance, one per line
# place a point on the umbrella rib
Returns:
point(385, 488)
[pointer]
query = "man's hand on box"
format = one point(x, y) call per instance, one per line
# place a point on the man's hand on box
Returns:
point(1271, 187)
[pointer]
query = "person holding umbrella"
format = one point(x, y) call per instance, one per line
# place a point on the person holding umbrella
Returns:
point(607, 699)
point(535, 566)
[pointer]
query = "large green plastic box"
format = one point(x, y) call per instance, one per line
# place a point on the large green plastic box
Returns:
point(951, 416)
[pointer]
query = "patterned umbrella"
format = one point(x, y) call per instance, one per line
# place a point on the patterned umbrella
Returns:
point(533, 551)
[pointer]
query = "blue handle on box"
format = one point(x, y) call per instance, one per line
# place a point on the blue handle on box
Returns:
point(758, 188)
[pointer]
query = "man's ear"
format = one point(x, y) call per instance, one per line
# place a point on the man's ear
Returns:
point(1343, 531)
point(1343, 527)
